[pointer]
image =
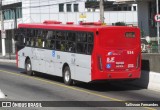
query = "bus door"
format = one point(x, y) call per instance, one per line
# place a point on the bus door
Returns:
point(49, 61)
point(34, 59)
point(83, 67)
point(82, 59)
point(41, 57)
point(72, 59)
point(58, 61)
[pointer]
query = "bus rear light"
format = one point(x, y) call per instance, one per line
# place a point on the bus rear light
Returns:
point(138, 62)
point(100, 67)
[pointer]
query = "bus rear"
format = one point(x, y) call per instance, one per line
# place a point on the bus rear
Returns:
point(117, 54)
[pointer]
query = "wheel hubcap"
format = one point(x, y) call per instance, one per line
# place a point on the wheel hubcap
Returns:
point(28, 67)
point(67, 76)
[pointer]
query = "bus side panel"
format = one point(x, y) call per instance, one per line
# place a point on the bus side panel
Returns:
point(54, 62)
point(28, 52)
point(48, 64)
point(21, 58)
point(80, 65)
point(83, 68)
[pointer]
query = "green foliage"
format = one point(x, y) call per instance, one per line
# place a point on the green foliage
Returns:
point(92, 4)
point(120, 24)
point(142, 33)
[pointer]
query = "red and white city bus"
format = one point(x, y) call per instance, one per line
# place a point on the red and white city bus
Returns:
point(80, 52)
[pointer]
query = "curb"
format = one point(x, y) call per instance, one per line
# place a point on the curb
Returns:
point(2, 96)
point(7, 61)
point(154, 81)
point(149, 80)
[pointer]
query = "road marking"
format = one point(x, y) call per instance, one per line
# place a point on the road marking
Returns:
point(69, 87)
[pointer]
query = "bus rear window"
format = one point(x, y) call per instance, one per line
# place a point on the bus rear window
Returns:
point(130, 34)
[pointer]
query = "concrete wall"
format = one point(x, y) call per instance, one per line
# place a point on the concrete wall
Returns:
point(151, 62)
point(149, 80)
point(150, 75)
point(110, 17)
point(143, 17)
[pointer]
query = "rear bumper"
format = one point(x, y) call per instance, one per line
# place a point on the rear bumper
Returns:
point(116, 75)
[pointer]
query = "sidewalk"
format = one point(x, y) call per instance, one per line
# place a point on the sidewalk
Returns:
point(8, 58)
point(2, 96)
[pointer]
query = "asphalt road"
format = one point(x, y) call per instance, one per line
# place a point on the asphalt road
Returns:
point(20, 87)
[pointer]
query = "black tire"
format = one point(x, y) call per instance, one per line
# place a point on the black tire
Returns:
point(67, 76)
point(28, 67)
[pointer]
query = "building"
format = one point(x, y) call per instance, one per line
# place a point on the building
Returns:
point(109, 5)
point(29, 11)
point(146, 13)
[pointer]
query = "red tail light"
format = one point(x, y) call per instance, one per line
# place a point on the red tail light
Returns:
point(100, 66)
point(138, 62)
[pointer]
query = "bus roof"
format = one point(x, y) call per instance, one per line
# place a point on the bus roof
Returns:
point(69, 27)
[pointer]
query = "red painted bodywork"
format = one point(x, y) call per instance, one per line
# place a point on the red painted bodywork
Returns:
point(107, 39)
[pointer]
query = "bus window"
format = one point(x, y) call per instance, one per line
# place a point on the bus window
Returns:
point(60, 35)
point(32, 33)
point(44, 34)
point(82, 37)
point(28, 42)
point(70, 41)
point(39, 33)
point(90, 43)
point(52, 44)
point(53, 35)
point(71, 36)
point(43, 44)
point(49, 35)
point(24, 41)
point(32, 42)
point(90, 37)
point(20, 40)
point(70, 46)
point(81, 43)
point(58, 45)
point(90, 48)
point(81, 48)
point(28, 32)
point(62, 46)
point(19, 36)
point(47, 43)
point(39, 42)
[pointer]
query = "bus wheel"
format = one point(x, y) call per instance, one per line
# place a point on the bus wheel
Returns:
point(67, 76)
point(28, 68)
